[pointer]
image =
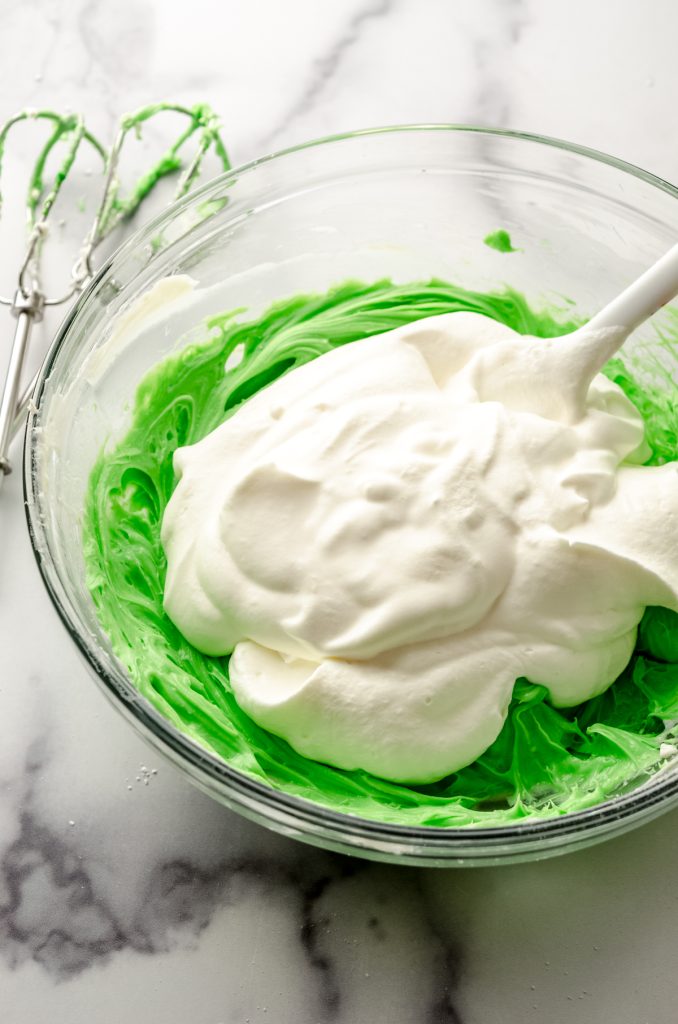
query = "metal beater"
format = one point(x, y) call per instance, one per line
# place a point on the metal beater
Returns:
point(29, 300)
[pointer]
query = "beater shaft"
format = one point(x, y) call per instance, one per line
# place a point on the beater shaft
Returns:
point(27, 309)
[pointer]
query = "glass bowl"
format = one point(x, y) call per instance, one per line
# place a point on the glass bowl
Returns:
point(406, 203)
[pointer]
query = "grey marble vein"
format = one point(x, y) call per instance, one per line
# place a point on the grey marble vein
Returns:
point(493, 54)
point(117, 38)
point(447, 968)
point(52, 915)
point(56, 915)
point(325, 67)
point(331, 996)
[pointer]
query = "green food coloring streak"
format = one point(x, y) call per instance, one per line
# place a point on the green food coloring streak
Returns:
point(499, 240)
point(545, 762)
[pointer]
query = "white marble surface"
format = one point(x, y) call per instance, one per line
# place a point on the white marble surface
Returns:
point(151, 904)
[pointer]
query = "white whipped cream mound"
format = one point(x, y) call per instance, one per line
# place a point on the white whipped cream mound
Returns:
point(387, 537)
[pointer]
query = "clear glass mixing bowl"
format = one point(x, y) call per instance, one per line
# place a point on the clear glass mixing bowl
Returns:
point(405, 203)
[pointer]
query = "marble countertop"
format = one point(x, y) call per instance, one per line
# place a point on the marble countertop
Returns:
point(126, 895)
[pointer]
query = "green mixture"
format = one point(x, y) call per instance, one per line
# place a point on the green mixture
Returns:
point(545, 762)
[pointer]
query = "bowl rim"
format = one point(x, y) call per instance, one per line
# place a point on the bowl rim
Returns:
point(244, 792)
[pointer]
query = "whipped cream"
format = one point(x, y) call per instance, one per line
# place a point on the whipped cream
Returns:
point(386, 538)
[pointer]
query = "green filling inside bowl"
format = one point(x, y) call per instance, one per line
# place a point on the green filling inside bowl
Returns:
point(545, 762)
